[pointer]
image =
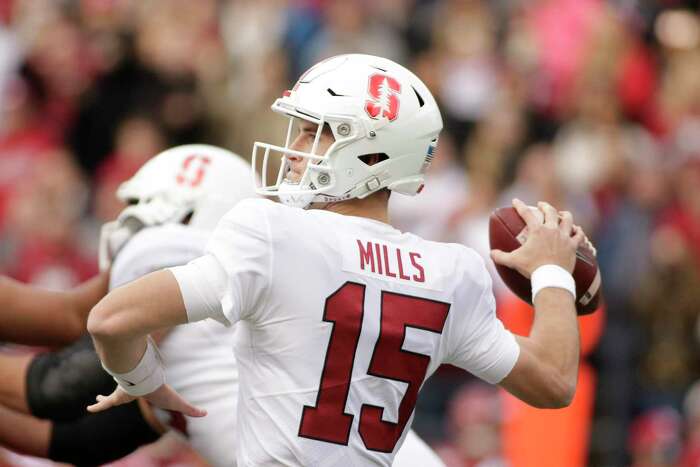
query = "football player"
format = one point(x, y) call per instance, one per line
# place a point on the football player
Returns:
point(176, 200)
point(340, 317)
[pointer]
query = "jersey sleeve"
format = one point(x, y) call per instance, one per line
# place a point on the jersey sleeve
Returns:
point(479, 342)
point(230, 282)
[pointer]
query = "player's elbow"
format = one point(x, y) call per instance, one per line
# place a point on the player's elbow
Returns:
point(557, 393)
point(107, 321)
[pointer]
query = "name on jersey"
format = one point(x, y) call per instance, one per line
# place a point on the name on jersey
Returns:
point(391, 262)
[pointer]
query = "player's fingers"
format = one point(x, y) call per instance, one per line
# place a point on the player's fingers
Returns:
point(528, 216)
point(586, 240)
point(177, 402)
point(566, 223)
point(190, 410)
point(166, 398)
point(578, 237)
point(551, 216)
point(590, 245)
point(103, 403)
point(501, 257)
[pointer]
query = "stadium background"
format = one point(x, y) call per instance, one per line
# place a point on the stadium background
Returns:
point(591, 105)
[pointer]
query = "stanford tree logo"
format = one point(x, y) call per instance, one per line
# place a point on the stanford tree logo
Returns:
point(384, 97)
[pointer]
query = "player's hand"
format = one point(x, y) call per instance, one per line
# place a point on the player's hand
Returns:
point(164, 397)
point(550, 241)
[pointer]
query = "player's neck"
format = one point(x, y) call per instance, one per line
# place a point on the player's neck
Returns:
point(374, 207)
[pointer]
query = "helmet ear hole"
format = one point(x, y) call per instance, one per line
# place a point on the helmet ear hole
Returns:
point(372, 159)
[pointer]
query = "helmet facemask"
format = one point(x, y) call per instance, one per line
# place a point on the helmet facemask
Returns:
point(319, 179)
point(156, 209)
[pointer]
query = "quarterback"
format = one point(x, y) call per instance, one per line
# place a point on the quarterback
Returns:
point(175, 201)
point(341, 317)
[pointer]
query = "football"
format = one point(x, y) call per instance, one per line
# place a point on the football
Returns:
point(507, 231)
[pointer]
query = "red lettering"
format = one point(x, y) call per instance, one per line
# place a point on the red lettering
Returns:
point(401, 274)
point(379, 259)
point(414, 261)
point(386, 262)
point(366, 255)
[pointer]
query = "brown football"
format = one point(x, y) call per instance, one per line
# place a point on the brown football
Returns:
point(507, 232)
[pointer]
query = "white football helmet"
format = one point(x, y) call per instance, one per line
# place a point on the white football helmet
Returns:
point(194, 184)
point(373, 106)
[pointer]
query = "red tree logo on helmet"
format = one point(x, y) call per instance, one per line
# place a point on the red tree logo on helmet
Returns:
point(193, 170)
point(384, 97)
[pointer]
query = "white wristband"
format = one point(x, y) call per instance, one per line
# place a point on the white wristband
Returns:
point(551, 275)
point(147, 376)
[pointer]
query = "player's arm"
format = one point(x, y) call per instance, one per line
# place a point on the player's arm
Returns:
point(23, 433)
point(93, 439)
point(33, 316)
point(224, 285)
point(545, 374)
point(120, 324)
point(546, 371)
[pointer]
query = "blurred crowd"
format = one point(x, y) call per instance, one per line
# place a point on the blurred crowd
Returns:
point(591, 105)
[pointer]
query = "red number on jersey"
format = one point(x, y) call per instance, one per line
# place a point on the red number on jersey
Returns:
point(327, 420)
point(193, 173)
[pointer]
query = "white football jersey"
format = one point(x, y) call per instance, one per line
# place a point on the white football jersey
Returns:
point(341, 320)
point(198, 359)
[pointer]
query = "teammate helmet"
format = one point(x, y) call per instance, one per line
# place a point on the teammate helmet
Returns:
point(373, 106)
point(194, 181)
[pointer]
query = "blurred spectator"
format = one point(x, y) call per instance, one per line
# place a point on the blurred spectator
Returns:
point(655, 438)
point(668, 305)
point(467, 79)
point(351, 25)
point(636, 198)
point(691, 410)
point(25, 136)
point(155, 74)
point(9, 57)
point(474, 428)
point(45, 214)
point(534, 182)
point(683, 216)
point(138, 139)
point(59, 56)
